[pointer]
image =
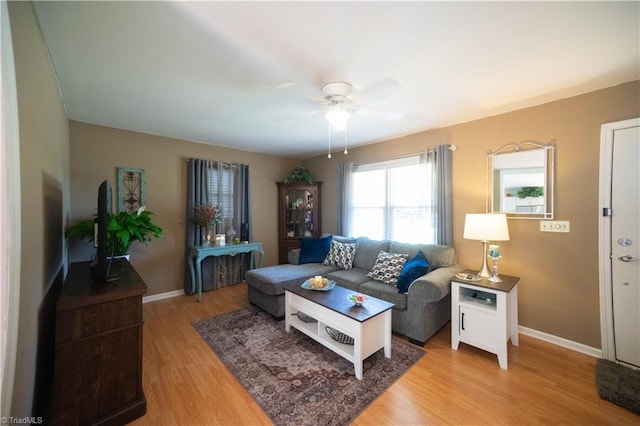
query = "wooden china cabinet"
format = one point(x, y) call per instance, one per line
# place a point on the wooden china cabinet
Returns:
point(298, 215)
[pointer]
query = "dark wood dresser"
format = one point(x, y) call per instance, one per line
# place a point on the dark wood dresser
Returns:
point(98, 348)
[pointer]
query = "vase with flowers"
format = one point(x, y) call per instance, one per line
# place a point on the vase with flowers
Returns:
point(207, 216)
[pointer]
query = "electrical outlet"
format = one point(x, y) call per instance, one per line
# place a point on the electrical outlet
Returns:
point(555, 226)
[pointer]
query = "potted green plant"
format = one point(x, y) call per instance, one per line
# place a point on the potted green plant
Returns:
point(298, 174)
point(531, 191)
point(123, 229)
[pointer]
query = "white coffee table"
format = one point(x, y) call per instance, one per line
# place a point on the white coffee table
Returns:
point(369, 325)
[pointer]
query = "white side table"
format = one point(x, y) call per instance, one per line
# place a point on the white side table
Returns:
point(485, 314)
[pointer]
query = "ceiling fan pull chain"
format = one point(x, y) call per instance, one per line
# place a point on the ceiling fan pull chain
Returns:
point(345, 141)
point(329, 155)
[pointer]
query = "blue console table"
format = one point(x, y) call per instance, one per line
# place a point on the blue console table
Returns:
point(198, 253)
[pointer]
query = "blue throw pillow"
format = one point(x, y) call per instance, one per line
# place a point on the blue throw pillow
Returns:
point(314, 250)
point(414, 268)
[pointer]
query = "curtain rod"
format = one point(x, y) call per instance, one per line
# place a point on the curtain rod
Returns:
point(216, 162)
point(451, 148)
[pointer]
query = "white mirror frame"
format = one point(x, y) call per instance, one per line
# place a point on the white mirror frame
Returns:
point(548, 153)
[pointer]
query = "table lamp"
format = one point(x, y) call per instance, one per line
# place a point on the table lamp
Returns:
point(486, 227)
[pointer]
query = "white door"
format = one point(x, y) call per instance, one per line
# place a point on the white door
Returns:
point(625, 244)
point(619, 235)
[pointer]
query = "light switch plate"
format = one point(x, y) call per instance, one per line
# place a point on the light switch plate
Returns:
point(555, 226)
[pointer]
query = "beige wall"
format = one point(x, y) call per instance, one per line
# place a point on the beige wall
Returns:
point(97, 151)
point(558, 290)
point(44, 165)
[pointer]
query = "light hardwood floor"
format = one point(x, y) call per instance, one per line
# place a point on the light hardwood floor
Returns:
point(186, 384)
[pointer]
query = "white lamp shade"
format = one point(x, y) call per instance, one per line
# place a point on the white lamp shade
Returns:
point(486, 227)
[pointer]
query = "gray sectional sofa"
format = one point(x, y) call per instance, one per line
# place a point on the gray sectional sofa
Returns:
point(417, 314)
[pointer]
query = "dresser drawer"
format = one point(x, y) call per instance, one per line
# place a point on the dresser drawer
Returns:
point(100, 318)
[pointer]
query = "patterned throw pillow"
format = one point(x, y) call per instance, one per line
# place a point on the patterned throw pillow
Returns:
point(341, 255)
point(388, 266)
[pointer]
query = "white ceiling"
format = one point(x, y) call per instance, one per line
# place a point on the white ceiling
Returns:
point(211, 71)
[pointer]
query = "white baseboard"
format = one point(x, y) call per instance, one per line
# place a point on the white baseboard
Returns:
point(559, 341)
point(167, 295)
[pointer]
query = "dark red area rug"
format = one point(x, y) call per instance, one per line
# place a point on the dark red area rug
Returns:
point(294, 379)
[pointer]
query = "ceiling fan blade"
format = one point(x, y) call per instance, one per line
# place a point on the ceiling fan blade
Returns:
point(378, 90)
point(287, 85)
point(305, 91)
point(384, 113)
point(298, 115)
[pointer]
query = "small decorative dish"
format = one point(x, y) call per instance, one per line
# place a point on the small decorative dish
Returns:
point(328, 285)
point(467, 276)
point(357, 299)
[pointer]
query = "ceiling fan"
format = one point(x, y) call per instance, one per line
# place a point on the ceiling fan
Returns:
point(341, 96)
point(339, 103)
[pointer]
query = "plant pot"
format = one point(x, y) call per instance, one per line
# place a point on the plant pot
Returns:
point(120, 256)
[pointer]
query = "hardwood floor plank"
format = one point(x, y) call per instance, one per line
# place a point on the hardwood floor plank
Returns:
point(185, 383)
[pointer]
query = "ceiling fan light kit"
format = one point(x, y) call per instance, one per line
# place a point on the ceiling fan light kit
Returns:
point(339, 109)
point(339, 105)
point(337, 118)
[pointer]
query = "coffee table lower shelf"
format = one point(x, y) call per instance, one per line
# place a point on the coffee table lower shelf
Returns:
point(369, 336)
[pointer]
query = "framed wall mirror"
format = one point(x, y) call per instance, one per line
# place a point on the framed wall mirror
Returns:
point(520, 180)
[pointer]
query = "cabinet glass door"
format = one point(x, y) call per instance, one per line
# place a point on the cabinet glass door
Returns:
point(299, 220)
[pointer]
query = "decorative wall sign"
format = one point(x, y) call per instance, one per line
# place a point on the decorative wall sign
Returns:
point(132, 193)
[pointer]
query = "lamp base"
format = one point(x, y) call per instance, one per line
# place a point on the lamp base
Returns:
point(484, 270)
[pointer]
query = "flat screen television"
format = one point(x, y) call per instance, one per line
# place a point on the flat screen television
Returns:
point(101, 263)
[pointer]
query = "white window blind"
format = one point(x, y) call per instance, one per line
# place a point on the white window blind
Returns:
point(222, 191)
point(391, 200)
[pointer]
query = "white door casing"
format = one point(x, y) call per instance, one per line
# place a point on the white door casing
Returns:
point(619, 236)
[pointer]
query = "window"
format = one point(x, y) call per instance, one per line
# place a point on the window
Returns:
point(222, 191)
point(392, 200)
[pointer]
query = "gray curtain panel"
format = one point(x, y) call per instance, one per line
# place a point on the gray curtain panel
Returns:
point(197, 193)
point(345, 174)
point(227, 185)
point(443, 195)
point(241, 200)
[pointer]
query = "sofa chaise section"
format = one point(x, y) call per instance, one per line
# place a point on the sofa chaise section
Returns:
point(265, 285)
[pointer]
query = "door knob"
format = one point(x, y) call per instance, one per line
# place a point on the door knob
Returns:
point(628, 258)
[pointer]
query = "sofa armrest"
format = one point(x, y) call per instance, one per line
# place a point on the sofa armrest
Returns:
point(434, 285)
point(293, 256)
